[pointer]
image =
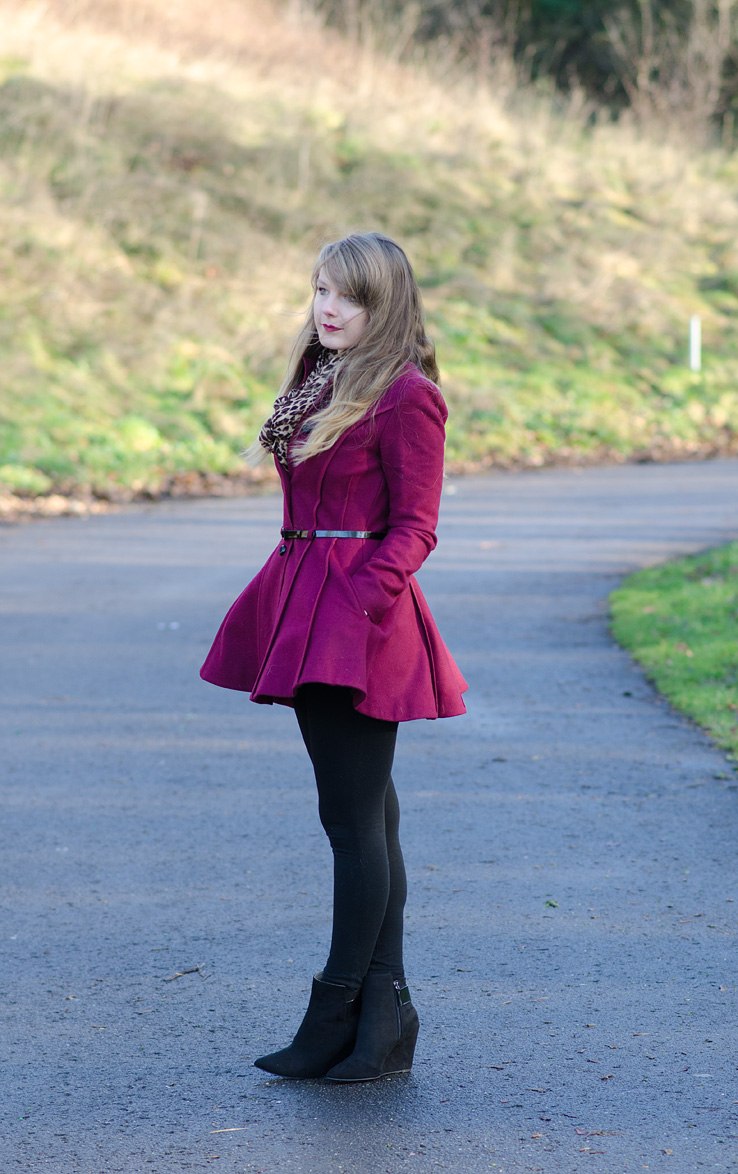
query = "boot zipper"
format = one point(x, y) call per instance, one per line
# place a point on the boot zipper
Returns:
point(402, 996)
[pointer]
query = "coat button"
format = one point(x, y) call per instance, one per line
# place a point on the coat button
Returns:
point(283, 549)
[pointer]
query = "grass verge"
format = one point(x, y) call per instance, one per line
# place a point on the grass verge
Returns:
point(680, 622)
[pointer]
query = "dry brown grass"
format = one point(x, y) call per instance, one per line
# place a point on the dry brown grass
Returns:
point(168, 172)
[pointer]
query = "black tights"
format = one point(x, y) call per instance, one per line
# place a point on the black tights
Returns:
point(352, 758)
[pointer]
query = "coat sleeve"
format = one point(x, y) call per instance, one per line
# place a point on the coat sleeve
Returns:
point(411, 450)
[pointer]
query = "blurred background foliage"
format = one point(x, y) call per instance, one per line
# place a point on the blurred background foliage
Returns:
point(562, 175)
point(621, 53)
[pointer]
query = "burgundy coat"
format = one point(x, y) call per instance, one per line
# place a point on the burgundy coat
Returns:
point(348, 611)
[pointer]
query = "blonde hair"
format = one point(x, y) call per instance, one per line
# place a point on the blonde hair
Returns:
point(375, 271)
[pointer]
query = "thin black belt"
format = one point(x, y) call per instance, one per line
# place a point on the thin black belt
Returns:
point(334, 533)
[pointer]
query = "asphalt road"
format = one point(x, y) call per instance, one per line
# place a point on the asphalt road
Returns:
point(571, 846)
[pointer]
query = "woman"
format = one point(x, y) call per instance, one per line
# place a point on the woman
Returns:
point(336, 626)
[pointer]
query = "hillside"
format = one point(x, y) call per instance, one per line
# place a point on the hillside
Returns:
point(163, 190)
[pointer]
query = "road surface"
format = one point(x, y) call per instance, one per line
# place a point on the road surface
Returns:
point(571, 846)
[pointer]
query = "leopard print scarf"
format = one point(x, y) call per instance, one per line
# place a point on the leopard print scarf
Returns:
point(289, 409)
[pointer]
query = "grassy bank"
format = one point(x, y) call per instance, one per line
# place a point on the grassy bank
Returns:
point(679, 622)
point(164, 187)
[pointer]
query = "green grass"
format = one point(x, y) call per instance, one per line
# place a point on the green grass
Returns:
point(680, 622)
point(160, 209)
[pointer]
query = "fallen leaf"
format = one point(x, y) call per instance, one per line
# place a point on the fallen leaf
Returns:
point(536, 1090)
point(609, 1076)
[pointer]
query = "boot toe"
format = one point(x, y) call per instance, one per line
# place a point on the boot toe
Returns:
point(348, 1073)
point(283, 1063)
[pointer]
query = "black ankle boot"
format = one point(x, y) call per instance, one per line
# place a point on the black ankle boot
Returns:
point(326, 1035)
point(388, 1029)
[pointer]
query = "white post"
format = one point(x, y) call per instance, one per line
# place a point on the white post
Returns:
point(695, 343)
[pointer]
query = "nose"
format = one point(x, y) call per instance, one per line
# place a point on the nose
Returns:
point(329, 307)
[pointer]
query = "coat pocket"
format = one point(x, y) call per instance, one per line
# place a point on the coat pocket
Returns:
point(350, 590)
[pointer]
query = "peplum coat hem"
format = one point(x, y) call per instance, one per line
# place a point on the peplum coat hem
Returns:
point(348, 611)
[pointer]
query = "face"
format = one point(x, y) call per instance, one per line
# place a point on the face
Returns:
point(339, 319)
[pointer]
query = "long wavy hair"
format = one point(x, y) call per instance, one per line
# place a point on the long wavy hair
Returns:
point(375, 271)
